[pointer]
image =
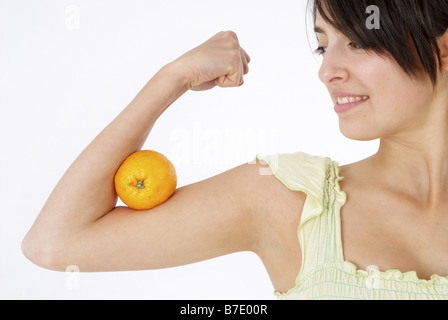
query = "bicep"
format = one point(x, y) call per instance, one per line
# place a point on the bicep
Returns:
point(207, 219)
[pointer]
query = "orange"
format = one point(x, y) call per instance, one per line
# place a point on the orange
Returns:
point(145, 179)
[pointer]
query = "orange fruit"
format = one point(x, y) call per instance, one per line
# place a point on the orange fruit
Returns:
point(145, 179)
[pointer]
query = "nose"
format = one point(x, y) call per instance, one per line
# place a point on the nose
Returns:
point(334, 67)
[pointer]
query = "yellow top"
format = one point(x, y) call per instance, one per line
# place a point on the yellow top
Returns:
point(324, 273)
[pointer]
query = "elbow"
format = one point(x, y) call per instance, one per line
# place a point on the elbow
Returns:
point(41, 252)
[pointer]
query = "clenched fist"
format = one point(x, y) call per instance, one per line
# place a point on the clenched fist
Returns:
point(220, 61)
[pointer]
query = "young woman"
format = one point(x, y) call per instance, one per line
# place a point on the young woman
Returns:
point(375, 229)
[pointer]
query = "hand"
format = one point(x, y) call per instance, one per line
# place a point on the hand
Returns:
point(220, 61)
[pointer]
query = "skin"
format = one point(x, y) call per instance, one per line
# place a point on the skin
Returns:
point(81, 225)
point(235, 211)
point(398, 220)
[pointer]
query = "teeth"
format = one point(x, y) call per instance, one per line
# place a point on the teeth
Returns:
point(345, 100)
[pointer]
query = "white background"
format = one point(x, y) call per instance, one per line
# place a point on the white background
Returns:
point(67, 68)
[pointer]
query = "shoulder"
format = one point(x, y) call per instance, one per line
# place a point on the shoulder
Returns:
point(259, 184)
point(266, 184)
point(274, 188)
point(281, 183)
point(285, 183)
point(298, 171)
point(293, 187)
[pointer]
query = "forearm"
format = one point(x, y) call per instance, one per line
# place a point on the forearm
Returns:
point(86, 191)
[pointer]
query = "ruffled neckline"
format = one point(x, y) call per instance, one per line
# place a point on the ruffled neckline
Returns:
point(394, 274)
point(373, 274)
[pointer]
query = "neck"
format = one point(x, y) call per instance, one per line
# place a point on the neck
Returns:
point(417, 163)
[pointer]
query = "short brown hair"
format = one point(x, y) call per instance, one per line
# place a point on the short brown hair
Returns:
point(407, 26)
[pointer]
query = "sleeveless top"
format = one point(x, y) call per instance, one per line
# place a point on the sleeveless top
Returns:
point(324, 273)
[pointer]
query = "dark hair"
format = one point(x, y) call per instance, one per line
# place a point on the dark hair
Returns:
point(409, 29)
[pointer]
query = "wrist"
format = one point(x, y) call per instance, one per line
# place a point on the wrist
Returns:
point(177, 72)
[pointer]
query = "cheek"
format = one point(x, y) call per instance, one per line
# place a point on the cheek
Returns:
point(396, 102)
point(403, 100)
point(394, 94)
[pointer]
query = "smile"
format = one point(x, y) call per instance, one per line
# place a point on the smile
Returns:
point(347, 103)
point(346, 100)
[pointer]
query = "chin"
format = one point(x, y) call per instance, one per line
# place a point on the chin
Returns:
point(358, 133)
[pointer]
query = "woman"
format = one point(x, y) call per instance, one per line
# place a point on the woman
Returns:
point(375, 229)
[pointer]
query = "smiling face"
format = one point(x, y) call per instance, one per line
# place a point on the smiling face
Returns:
point(373, 96)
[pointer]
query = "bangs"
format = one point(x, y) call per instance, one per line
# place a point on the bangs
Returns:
point(406, 32)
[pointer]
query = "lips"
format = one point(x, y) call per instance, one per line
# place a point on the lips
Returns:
point(345, 101)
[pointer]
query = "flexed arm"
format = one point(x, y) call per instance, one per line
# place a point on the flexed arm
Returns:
point(72, 225)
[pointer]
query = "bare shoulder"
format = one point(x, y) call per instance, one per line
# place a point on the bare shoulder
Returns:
point(278, 216)
point(276, 203)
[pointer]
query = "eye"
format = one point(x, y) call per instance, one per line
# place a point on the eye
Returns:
point(321, 50)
